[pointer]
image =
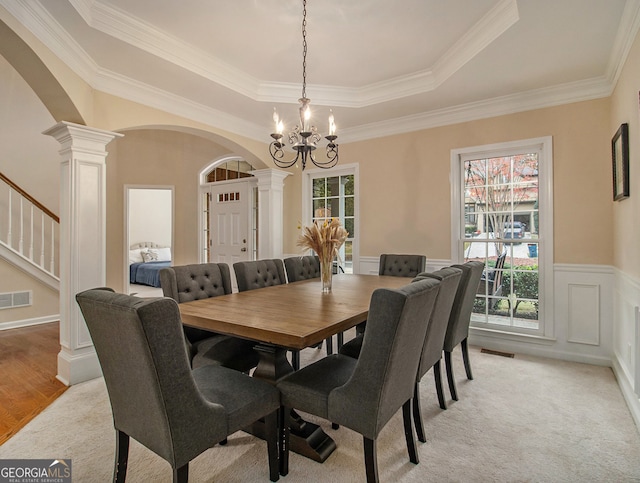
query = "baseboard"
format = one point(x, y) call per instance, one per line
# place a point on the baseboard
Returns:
point(79, 366)
point(28, 322)
point(539, 348)
point(626, 387)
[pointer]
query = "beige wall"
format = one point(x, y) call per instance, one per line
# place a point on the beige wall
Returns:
point(45, 300)
point(156, 157)
point(405, 192)
point(626, 213)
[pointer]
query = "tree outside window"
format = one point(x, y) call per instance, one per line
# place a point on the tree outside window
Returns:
point(501, 223)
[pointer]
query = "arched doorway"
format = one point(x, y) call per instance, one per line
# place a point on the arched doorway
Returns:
point(229, 212)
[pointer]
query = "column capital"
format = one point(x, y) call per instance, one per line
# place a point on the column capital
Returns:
point(77, 136)
point(270, 176)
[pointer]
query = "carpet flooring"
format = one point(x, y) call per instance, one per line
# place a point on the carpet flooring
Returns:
point(522, 419)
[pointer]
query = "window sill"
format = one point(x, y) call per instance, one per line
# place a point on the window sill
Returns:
point(504, 335)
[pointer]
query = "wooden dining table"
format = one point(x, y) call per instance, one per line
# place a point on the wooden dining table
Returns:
point(290, 317)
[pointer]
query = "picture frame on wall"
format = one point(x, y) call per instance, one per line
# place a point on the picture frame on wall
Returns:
point(620, 161)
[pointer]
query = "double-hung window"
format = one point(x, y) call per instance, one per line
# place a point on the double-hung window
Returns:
point(503, 217)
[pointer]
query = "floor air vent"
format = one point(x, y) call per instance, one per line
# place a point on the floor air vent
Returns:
point(15, 299)
point(497, 353)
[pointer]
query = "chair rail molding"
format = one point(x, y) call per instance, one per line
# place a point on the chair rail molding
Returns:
point(82, 240)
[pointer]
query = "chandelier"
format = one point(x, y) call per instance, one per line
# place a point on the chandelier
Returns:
point(304, 137)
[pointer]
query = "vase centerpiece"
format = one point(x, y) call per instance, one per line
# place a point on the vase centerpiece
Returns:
point(325, 237)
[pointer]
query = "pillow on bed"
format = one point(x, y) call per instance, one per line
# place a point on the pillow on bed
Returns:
point(164, 254)
point(150, 256)
point(135, 256)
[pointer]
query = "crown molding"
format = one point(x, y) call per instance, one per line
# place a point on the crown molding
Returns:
point(36, 18)
point(46, 29)
point(534, 99)
point(627, 31)
point(142, 35)
point(134, 31)
point(121, 86)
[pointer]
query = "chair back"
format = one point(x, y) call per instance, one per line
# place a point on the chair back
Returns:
point(259, 274)
point(184, 283)
point(401, 265)
point(140, 347)
point(384, 376)
point(458, 327)
point(302, 268)
point(432, 351)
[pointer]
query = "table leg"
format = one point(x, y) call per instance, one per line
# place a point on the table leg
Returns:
point(306, 438)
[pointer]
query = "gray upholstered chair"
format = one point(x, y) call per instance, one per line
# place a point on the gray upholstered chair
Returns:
point(458, 327)
point(184, 283)
point(432, 350)
point(260, 274)
point(393, 266)
point(363, 394)
point(304, 268)
point(401, 265)
point(156, 398)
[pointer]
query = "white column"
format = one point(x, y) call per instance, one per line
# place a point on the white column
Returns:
point(270, 212)
point(82, 240)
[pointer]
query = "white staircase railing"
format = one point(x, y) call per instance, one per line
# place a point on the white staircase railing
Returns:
point(28, 229)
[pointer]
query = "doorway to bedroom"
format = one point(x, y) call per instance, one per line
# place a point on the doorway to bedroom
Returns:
point(149, 237)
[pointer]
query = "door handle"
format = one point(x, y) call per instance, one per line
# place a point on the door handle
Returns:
point(243, 249)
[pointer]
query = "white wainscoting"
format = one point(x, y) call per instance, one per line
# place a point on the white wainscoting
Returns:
point(626, 339)
point(582, 313)
point(580, 329)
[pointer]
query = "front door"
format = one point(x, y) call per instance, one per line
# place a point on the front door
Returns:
point(229, 222)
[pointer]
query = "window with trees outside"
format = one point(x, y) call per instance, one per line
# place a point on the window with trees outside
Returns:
point(335, 196)
point(502, 223)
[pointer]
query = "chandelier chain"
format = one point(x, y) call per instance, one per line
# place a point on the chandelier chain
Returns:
point(304, 48)
point(303, 138)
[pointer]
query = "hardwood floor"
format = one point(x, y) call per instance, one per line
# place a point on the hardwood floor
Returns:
point(28, 366)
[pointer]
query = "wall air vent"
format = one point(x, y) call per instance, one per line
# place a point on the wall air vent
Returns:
point(15, 299)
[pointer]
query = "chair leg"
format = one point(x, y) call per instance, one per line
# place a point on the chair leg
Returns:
point(272, 436)
point(465, 358)
point(417, 414)
point(437, 376)
point(340, 339)
point(450, 378)
point(181, 475)
point(284, 439)
point(122, 457)
point(408, 432)
point(329, 342)
point(371, 460)
point(295, 360)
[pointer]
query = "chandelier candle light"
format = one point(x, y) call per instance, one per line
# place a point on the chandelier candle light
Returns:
point(304, 137)
point(325, 237)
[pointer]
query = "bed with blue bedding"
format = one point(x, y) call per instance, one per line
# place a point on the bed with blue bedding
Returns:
point(146, 259)
point(147, 273)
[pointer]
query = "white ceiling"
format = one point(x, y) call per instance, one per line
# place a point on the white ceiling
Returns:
point(383, 67)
